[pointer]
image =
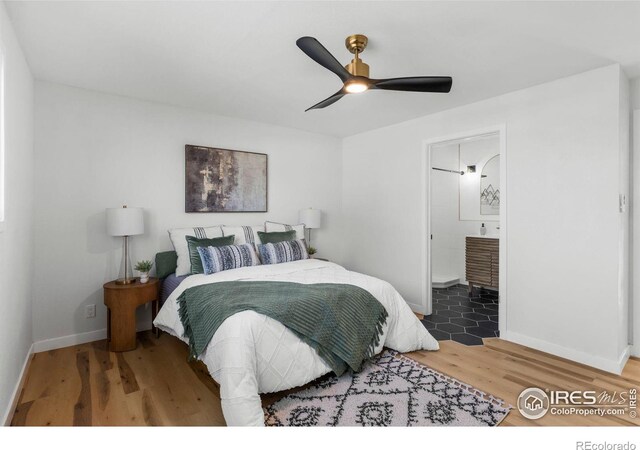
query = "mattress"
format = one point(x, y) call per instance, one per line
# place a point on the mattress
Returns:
point(251, 353)
point(168, 285)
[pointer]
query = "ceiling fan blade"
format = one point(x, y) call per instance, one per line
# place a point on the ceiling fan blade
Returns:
point(316, 51)
point(328, 101)
point(414, 84)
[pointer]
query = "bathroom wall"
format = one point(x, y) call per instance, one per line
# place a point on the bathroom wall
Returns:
point(448, 231)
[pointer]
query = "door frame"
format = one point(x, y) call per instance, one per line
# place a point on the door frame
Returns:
point(501, 130)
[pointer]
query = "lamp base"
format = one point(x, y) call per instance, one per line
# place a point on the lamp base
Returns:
point(125, 281)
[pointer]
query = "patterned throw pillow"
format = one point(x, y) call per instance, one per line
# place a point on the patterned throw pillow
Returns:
point(282, 252)
point(217, 259)
point(194, 243)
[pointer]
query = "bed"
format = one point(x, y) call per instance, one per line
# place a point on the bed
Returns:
point(251, 353)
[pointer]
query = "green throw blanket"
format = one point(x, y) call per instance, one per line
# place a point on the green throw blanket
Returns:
point(343, 323)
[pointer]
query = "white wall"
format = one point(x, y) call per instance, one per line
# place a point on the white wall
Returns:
point(16, 239)
point(635, 217)
point(448, 231)
point(625, 336)
point(635, 232)
point(634, 93)
point(562, 227)
point(96, 151)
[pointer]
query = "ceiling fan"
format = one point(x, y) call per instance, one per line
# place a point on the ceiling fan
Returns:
point(355, 75)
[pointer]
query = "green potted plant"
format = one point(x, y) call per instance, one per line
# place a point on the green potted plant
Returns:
point(311, 251)
point(144, 267)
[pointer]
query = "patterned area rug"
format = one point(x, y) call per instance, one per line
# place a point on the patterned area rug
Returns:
point(391, 390)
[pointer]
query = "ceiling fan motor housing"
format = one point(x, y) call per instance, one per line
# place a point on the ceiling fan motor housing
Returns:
point(356, 43)
point(357, 68)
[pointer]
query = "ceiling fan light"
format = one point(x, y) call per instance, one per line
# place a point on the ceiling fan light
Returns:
point(355, 87)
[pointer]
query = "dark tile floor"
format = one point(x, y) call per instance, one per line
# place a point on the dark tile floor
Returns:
point(463, 318)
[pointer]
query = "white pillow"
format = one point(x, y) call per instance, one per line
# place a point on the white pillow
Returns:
point(178, 238)
point(244, 234)
point(275, 226)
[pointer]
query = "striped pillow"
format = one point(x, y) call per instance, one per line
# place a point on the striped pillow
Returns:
point(193, 243)
point(244, 234)
point(282, 252)
point(226, 257)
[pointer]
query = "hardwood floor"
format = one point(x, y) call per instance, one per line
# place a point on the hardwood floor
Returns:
point(154, 385)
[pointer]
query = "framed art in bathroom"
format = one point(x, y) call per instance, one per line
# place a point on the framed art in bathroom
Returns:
point(221, 180)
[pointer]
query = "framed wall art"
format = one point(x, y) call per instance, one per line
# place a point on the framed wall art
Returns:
point(220, 180)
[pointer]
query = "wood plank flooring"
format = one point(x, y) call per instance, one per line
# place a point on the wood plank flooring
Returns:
point(155, 385)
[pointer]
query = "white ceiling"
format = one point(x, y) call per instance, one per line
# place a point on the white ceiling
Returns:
point(239, 59)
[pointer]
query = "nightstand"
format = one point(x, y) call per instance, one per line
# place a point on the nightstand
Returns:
point(122, 301)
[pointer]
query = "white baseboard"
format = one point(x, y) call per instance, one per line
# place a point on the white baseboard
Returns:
point(608, 365)
point(626, 354)
point(417, 308)
point(76, 339)
point(68, 341)
point(8, 415)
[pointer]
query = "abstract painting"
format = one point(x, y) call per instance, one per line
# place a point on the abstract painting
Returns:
point(219, 180)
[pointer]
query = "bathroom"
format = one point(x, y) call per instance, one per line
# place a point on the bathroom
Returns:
point(465, 194)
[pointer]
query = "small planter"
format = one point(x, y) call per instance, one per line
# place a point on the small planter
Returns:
point(144, 267)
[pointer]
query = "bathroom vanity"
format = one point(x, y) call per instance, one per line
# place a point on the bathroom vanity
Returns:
point(482, 261)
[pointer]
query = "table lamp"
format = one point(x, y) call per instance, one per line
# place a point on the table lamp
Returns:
point(125, 222)
point(311, 218)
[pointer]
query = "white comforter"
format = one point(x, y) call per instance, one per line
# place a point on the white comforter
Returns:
point(251, 353)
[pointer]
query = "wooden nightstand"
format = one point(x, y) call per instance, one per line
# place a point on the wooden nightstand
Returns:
point(122, 301)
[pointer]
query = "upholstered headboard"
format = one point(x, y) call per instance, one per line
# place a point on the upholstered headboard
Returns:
point(166, 263)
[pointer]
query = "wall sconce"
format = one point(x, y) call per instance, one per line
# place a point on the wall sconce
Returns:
point(471, 169)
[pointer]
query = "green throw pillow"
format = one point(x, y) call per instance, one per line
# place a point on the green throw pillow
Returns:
point(166, 263)
point(276, 236)
point(193, 243)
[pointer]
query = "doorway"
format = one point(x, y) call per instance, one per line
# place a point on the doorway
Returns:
point(465, 252)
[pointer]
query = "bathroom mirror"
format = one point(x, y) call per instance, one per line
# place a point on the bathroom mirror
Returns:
point(490, 187)
point(479, 186)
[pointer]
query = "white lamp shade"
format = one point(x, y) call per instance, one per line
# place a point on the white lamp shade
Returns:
point(311, 218)
point(125, 221)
